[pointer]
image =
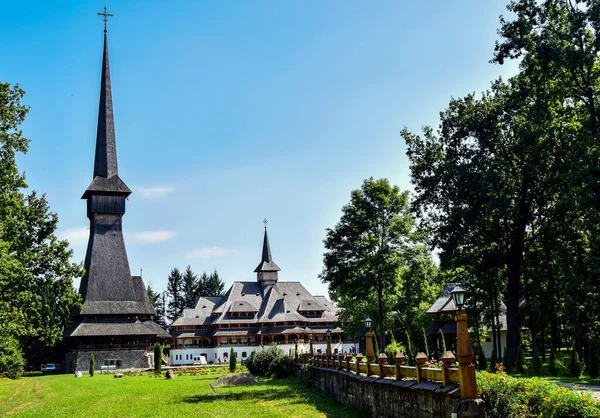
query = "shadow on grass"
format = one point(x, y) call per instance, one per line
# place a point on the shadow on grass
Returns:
point(254, 395)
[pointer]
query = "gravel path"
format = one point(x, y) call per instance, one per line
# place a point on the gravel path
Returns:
point(594, 389)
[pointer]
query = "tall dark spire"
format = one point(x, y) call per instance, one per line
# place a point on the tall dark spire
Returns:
point(106, 172)
point(266, 264)
point(105, 163)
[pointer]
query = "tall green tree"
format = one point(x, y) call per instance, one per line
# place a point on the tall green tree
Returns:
point(175, 294)
point(214, 285)
point(36, 275)
point(190, 288)
point(365, 250)
point(158, 301)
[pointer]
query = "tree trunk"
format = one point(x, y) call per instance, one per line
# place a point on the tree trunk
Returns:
point(381, 326)
point(513, 288)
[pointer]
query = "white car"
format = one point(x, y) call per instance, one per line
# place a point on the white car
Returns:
point(48, 368)
point(200, 360)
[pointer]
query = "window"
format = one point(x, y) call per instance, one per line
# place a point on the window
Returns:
point(244, 354)
point(112, 362)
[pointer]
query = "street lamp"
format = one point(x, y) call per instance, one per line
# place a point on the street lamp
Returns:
point(464, 350)
point(328, 335)
point(369, 340)
point(458, 294)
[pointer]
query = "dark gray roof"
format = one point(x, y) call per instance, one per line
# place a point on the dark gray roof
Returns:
point(310, 305)
point(242, 306)
point(444, 302)
point(278, 302)
point(106, 172)
point(89, 328)
point(266, 263)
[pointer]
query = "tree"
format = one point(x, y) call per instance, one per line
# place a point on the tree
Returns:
point(157, 357)
point(190, 288)
point(441, 344)
point(92, 365)
point(506, 361)
point(232, 360)
point(158, 301)
point(594, 362)
point(36, 275)
point(364, 251)
point(174, 292)
point(213, 285)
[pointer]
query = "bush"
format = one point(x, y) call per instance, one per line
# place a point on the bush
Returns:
point(270, 362)
point(157, 357)
point(552, 365)
point(594, 361)
point(410, 352)
point(232, 360)
point(574, 363)
point(481, 359)
point(508, 397)
point(92, 365)
point(425, 344)
point(506, 361)
point(11, 358)
point(520, 364)
point(536, 362)
point(441, 344)
point(391, 350)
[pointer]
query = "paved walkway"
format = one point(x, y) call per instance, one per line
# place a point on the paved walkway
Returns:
point(594, 389)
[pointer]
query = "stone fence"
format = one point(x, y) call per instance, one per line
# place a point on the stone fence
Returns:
point(383, 390)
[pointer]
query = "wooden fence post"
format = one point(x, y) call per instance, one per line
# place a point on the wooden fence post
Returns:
point(448, 360)
point(382, 362)
point(340, 361)
point(400, 358)
point(359, 358)
point(464, 351)
point(421, 360)
point(348, 360)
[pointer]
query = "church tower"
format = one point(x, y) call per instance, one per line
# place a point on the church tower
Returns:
point(116, 319)
point(267, 270)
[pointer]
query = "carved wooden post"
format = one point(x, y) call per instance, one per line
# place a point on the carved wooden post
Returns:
point(348, 360)
point(400, 358)
point(370, 348)
point(464, 350)
point(382, 362)
point(421, 359)
point(359, 358)
point(368, 366)
point(448, 360)
point(340, 361)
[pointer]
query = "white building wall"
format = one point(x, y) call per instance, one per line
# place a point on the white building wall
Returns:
point(488, 346)
point(185, 356)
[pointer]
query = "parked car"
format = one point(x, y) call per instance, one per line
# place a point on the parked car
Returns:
point(49, 368)
point(199, 360)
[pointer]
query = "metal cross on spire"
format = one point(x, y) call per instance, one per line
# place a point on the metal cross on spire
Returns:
point(105, 16)
point(265, 222)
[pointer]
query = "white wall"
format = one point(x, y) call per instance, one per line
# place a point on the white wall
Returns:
point(488, 346)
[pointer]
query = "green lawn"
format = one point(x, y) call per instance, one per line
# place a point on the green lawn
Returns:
point(148, 396)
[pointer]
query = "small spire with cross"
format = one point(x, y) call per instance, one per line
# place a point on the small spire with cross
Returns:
point(105, 16)
point(265, 222)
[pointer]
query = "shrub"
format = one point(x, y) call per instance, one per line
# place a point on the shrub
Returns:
point(441, 344)
point(536, 362)
point(594, 361)
point(92, 365)
point(157, 357)
point(520, 364)
point(425, 344)
point(508, 397)
point(574, 363)
point(270, 362)
point(410, 352)
point(481, 359)
point(11, 358)
point(232, 360)
point(391, 350)
point(552, 366)
point(506, 361)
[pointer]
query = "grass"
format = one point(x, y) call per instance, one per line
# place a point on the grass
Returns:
point(144, 395)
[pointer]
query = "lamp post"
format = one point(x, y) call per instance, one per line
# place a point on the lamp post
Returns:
point(310, 340)
point(464, 350)
point(369, 340)
point(328, 335)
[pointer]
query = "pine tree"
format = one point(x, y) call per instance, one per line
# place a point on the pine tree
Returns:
point(232, 360)
point(92, 365)
point(425, 344)
point(506, 361)
point(520, 363)
point(536, 362)
point(594, 361)
point(482, 360)
point(190, 288)
point(216, 286)
point(441, 344)
point(174, 292)
point(410, 353)
point(157, 357)
point(574, 363)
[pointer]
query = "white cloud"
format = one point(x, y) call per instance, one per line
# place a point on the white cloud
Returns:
point(78, 235)
point(152, 237)
point(210, 252)
point(154, 192)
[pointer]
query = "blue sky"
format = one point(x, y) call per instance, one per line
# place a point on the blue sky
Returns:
point(230, 112)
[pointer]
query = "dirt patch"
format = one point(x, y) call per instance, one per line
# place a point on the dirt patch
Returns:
point(238, 379)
